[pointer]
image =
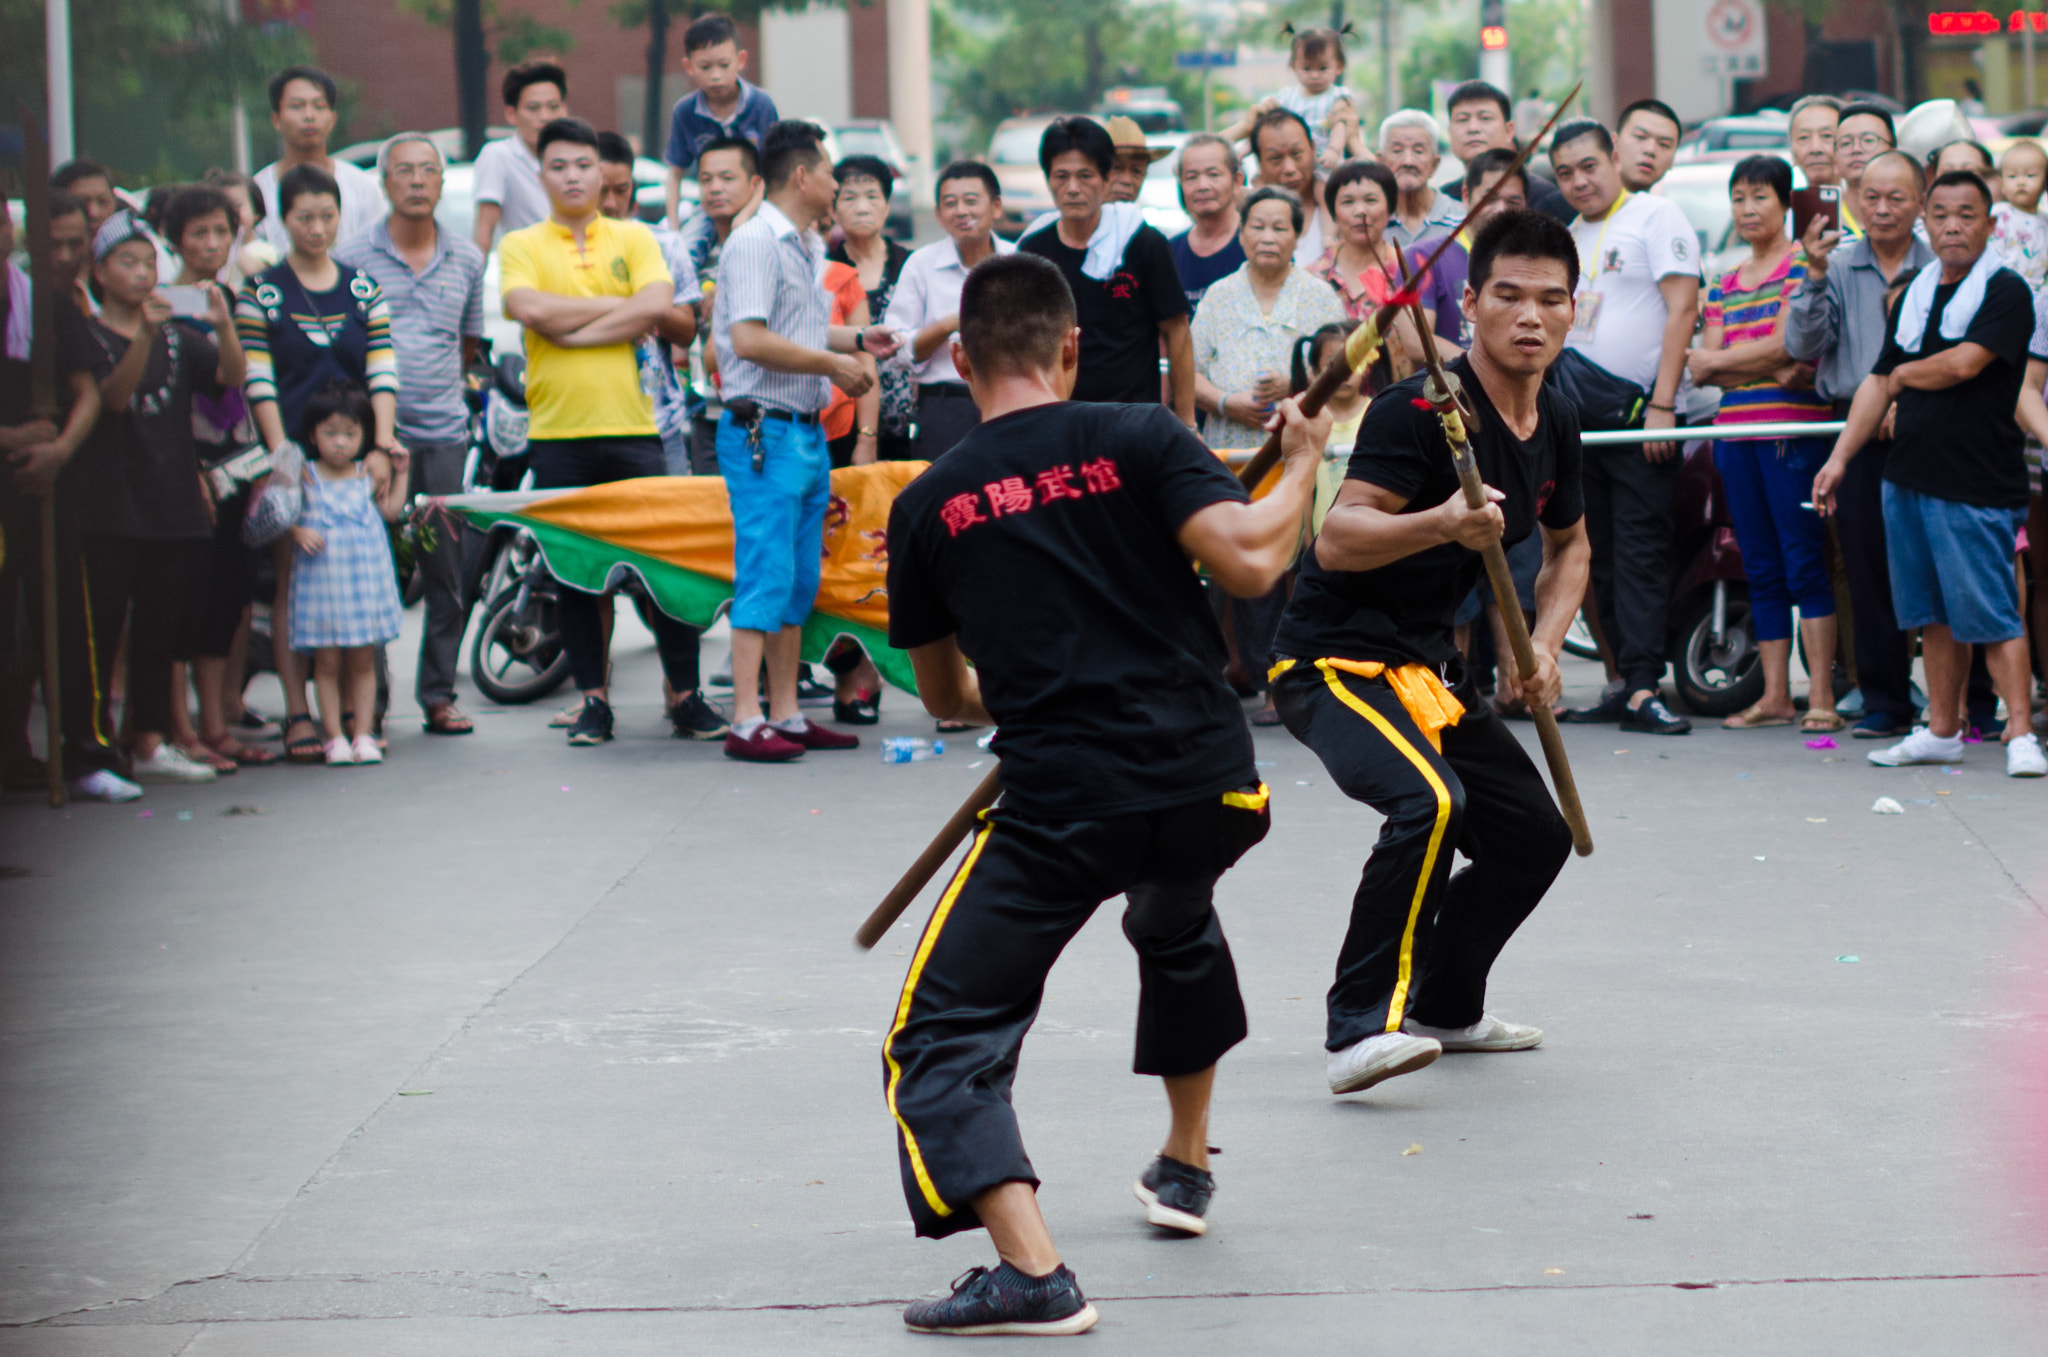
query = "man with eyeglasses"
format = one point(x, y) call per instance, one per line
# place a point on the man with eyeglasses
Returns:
point(433, 282)
point(1864, 133)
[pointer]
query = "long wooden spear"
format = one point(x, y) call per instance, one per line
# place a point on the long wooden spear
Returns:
point(1359, 352)
point(43, 405)
point(1455, 413)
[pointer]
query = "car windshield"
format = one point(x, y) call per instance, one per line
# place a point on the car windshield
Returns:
point(1705, 205)
point(1752, 139)
point(864, 141)
point(1018, 146)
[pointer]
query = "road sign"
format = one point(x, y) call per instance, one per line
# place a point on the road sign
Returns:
point(1734, 40)
point(1204, 61)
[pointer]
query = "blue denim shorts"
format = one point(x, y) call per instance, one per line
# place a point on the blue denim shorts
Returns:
point(1952, 565)
point(778, 520)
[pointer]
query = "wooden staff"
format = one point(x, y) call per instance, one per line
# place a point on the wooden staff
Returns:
point(1359, 352)
point(1455, 413)
point(43, 405)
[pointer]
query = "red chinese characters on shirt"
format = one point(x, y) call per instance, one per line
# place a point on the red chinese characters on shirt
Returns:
point(1011, 495)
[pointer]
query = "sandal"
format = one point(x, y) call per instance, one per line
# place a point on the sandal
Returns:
point(304, 748)
point(956, 727)
point(1754, 718)
point(1822, 721)
point(248, 756)
point(447, 720)
point(1266, 716)
point(201, 753)
point(863, 709)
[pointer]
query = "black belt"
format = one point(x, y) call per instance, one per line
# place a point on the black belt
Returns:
point(770, 412)
point(945, 390)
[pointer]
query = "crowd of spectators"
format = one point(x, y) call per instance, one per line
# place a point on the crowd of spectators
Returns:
point(318, 314)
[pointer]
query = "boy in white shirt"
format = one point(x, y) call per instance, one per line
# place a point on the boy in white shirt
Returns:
point(509, 196)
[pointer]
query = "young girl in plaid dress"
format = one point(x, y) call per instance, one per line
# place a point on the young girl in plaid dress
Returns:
point(344, 589)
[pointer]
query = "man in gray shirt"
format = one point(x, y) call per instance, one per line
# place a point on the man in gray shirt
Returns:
point(778, 359)
point(433, 282)
point(1837, 323)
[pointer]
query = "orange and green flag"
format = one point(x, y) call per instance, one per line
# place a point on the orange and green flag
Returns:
point(675, 533)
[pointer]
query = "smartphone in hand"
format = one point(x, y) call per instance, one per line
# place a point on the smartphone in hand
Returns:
point(1820, 200)
point(185, 300)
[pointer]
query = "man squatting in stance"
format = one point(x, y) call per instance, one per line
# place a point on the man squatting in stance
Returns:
point(1052, 546)
point(1371, 680)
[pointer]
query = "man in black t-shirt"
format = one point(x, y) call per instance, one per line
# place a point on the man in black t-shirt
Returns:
point(1052, 547)
point(1371, 679)
point(1120, 272)
point(1955, 484)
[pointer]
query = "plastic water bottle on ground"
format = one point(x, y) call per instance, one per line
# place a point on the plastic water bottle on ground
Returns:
point(908, 749)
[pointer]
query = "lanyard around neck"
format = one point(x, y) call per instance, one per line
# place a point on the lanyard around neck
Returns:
point(1606, 222)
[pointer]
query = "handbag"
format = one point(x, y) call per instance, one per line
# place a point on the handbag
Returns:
point(1604, 401)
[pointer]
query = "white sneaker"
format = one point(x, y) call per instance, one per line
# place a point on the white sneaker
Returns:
point(101, 785)
point(171, 764)
point(1922, 746)
point(2023, 757)
point(366, 750)
point(1379, 1057)
point(340, 753)
point(1488, 1034)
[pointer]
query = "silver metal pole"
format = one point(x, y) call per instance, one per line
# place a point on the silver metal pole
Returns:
point(57, 61)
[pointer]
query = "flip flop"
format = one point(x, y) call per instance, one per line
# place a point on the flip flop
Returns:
point(248, 756)
point(201, 752)
point(1754, 718)
point(1822, 721)
point(447, 720)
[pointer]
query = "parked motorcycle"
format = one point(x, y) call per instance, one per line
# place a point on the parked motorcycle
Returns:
point(1712, 646)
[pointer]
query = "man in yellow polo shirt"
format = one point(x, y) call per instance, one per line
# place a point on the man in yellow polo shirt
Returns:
point(587, 288)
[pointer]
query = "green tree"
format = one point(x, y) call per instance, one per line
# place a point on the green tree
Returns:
point(153, 81)
point(1078, 49)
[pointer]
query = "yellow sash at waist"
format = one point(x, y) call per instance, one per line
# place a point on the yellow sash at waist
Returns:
point(1423, 695)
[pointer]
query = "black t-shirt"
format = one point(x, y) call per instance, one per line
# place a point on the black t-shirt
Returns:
point(1045, 542)
point(1197, 271)
point(1119, 318)
point(1402, 611)
point(1544, 197)
point(143, 474)
point(75, 353)
point(1963, 443)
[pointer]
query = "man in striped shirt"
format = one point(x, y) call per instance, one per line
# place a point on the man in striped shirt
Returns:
point(778, 359)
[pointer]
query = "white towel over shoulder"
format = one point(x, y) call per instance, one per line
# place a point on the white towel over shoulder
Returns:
point(1962, 308)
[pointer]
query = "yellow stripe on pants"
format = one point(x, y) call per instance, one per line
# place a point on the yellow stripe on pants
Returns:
point(924, 951)
point(1406, 975)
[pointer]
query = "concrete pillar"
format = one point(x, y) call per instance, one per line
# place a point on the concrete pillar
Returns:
point(910, 85)
point(1598, 99)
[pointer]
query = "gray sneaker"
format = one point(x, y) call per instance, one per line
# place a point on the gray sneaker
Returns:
point(1488, 1034)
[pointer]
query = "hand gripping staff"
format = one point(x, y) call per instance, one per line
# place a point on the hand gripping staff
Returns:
point(1359, 352)
point(1455, 413)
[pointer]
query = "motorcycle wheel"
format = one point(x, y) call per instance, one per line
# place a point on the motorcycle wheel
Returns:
point(1579, 640)
point(517, 656)
point(1717, 680)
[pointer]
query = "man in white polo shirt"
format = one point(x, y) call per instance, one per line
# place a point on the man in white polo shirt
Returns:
point(303, 100)
point(924, 311)
point(1639, 293)
point(509, 196)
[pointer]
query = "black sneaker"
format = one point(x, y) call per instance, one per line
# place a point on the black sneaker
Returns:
point(1004, 1300)
point(1654, 718)
point(811, 693)
point(695, 719)
point(1613, 702)
point(594, 726)
point(1176, 1195)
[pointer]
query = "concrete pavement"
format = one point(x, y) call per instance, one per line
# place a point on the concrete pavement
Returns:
point(509, 1048)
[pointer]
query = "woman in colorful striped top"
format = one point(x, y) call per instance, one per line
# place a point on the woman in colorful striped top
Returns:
point(304, 323)
point(1784, 546)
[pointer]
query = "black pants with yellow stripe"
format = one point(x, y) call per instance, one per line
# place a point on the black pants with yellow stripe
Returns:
point(1422, 939)
point(1025, 889)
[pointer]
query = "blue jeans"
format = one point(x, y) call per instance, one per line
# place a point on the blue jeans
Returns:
point(778, 519)
point(1784, 551)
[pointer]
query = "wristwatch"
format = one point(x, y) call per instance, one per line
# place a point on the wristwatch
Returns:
point(860, 340)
